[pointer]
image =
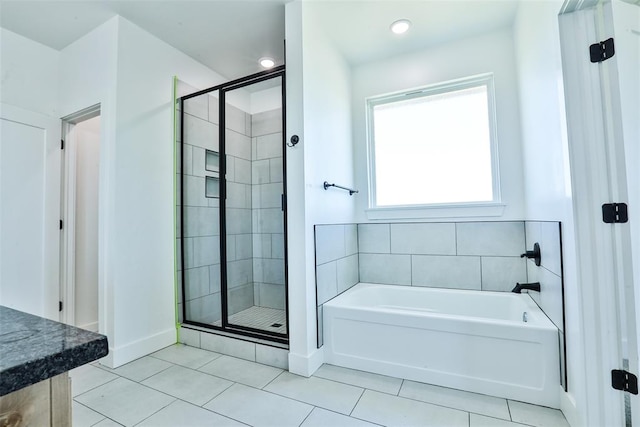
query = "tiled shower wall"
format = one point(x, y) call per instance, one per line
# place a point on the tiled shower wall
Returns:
point(238, 209)
point(254, 218)
point(268, 217)
point(201, 214)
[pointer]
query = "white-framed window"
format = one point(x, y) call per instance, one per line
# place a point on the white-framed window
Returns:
point(434, 147)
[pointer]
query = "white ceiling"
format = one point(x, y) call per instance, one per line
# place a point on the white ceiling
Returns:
point(230, 35)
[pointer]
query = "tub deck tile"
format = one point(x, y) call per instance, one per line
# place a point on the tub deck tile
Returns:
point(390, 410)
point(471, 402)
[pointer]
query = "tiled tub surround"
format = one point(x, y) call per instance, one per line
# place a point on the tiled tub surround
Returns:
point(549, 274)
point(465, 255)
point(336, 264)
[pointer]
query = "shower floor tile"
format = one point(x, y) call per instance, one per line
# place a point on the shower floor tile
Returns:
point(262, 318)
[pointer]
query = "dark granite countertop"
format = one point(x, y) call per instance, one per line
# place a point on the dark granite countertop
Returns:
point(33, 349)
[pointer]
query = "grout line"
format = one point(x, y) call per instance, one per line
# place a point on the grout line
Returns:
point(151, 415)
point(400, 388)
point(358, 401)
point(272, 380)
point(305, 418)
point(509, 410)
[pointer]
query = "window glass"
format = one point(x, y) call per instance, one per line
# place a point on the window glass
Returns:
point(433, 146)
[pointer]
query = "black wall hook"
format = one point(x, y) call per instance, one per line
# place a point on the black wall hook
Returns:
point(534, 254)
point(293, 141)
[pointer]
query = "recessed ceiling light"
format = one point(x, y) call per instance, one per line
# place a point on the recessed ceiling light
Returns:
point(400, 26)
point(267, 62)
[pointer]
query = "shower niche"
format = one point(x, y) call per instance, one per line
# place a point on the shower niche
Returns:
point(232, 207)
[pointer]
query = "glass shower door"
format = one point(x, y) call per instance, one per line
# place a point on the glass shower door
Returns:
point(199, 198)
point(254, 211)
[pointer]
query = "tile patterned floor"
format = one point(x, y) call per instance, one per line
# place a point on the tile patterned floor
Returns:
point(182, 386)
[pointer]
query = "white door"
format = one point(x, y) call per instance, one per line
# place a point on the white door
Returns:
point(29, 211)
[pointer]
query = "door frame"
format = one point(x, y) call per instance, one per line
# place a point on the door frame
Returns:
point(597, 177)
point(68, 214)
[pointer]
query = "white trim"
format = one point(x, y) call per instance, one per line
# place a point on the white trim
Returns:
point(118, 356)
point(569, 409)
point(68, 213)
point(595, 241)
point(422, 211)
point(68, 241)
point(470, 210)
point(306, 365)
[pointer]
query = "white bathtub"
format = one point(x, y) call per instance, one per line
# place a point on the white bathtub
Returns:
point(468, 340)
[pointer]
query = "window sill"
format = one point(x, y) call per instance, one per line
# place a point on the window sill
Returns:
point(440, 211)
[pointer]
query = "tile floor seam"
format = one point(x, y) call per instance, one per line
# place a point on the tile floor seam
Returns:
point(439, 405)
point(357, 401)
point(173, 401)
point(359, 386)
point(299, 401)
point(143, 420)
point(308, 415)
point(502, 419)
point(276, 377)
point(93, 388)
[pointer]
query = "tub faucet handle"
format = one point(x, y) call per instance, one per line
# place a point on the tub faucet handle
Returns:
point(534, 254)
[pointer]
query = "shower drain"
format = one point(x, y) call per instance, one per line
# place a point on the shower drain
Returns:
point(276, 325)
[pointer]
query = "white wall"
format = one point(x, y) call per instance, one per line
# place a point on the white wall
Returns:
point(130, 73)
point(28, 74)
point(318, 110)
point(86, 227)
point(546, 164)
point(493, 52)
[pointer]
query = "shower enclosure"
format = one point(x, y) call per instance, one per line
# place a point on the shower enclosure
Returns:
point(232, 207)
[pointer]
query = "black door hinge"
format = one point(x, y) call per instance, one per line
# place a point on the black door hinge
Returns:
point(59, 305)
point(62, 144)
point(625, 381)
point(602, 51)
point(61, 224)
point(614, 213)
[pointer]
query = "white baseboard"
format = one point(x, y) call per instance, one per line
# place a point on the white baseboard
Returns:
point(569, 409)
point(93, 326)
point(306, 365)
point(118, 356)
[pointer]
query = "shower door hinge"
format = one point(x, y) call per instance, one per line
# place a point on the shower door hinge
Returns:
point(61, 224)
point(614, 213)
point(59, 305)
point(625, 381)
point(62, 144)
point(602, 51)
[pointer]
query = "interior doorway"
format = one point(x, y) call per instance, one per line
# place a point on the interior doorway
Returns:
point(81, 219)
